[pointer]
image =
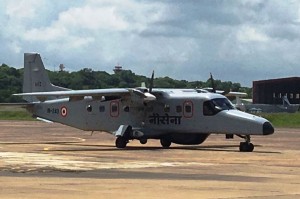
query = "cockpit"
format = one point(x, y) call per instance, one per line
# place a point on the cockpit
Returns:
point(214, 106)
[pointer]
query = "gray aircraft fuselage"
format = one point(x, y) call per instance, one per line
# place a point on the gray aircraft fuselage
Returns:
point(174, 111)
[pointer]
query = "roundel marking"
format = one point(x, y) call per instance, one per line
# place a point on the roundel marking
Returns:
point(63, 111)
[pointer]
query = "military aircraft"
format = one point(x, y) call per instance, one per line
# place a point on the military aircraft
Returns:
point(181, 116)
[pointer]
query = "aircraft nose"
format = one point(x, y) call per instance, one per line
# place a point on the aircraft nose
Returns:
point(268, 128)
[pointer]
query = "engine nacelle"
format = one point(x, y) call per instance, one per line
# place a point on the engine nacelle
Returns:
point(187, 139)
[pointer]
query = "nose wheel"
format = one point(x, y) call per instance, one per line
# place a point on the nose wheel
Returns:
point(246, 146)
point(121, 142)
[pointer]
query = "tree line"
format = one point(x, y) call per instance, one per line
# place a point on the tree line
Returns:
point(11, 80)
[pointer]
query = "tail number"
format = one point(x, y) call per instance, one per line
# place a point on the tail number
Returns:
point(38, 84)
point(63, 111)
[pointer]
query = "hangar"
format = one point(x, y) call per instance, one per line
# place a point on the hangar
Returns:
point(271, 91)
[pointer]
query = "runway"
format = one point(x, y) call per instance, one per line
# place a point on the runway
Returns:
point(42, 160)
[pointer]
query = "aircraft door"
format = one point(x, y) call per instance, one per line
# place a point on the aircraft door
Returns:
point(91, 115)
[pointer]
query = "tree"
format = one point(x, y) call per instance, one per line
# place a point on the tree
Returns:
point(11, 81)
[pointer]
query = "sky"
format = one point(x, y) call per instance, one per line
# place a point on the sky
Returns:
point(239, 41)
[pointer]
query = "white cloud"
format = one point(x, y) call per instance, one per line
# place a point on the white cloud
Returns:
point(47, 34)
point(15, 47)
point(93, 18)
point(251, 34)
point(22, 9)
point(101, 22)
point(182, 39)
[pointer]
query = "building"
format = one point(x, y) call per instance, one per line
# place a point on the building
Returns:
point(272, 91)
point(118, 69)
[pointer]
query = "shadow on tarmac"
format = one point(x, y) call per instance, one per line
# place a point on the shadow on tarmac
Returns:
point(224, 148)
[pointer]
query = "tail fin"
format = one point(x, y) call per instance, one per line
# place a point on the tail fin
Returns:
point(285, 101)
point(36, 78)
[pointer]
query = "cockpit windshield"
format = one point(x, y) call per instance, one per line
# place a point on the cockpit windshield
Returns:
point(216, 105)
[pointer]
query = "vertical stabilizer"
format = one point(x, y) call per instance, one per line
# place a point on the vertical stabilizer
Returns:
point(36, 78)
point(285, 101)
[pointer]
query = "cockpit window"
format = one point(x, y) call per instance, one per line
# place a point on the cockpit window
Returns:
point(223, 103)
point(214, 106)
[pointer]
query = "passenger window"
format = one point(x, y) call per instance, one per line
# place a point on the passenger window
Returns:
point(102, 108)
point(126, 108)
point(89, 108)
point(188, 109)
point(178, 109)
point(114, 108)
point(167, 108)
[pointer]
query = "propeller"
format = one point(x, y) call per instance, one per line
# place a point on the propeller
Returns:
point(144, 93)
point(151, 82)
point(149, 95)
point(212, 84)
point(211, 89)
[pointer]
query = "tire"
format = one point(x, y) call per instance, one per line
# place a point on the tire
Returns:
point(121, 142)
point(165, 143)
point(143, 141)
point(246, 147)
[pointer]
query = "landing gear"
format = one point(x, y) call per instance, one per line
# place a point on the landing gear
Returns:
point(121, 142)
point(165, 143)
point(246, 146)
point(143, 141)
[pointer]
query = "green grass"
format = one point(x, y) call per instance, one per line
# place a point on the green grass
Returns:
point(289, 120)
point(14, 113)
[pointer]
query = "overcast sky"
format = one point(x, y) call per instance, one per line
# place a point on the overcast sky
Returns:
point(238, 41)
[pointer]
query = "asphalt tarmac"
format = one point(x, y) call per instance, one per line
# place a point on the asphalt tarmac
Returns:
point(42, 160)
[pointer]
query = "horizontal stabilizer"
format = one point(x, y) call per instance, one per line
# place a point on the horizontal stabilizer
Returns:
point(22, 105)
point(237, 94)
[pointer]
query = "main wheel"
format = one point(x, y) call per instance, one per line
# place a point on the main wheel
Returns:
point(143, 141)
point(166, 143)
point(121, 142)
point(246, 147)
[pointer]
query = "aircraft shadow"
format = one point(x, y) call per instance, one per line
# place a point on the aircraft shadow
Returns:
point(225, 148)
point(50, 142)
point(83, 147)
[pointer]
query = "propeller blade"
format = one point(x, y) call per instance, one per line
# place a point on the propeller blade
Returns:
point(151, 82)
point(212, 83)
point(146, 96)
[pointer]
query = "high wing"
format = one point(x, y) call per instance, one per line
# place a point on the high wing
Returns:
point(78, 94)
